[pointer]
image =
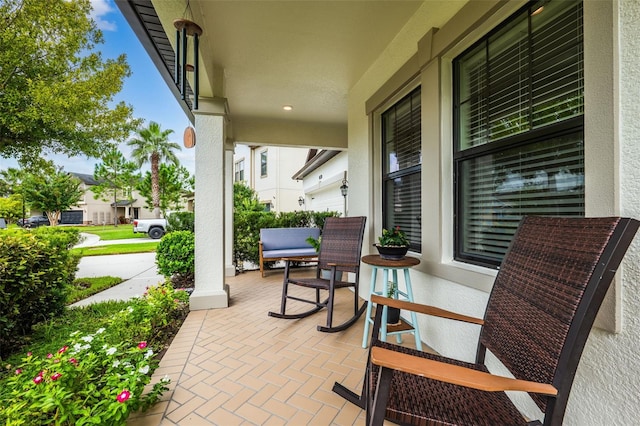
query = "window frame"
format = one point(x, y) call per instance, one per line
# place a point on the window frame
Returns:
point(411, 171)
point(264, 163)
point(239, 172)
point(573, 125)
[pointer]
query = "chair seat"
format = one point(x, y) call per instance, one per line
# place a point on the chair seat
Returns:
point(456, 405)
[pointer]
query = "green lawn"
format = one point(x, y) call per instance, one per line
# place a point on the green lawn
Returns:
point(110, 232)
point(142, 247)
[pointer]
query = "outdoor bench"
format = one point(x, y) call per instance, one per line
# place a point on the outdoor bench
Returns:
point(280, 243)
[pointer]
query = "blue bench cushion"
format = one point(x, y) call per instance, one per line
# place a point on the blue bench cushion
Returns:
point(287, 238)
point(278, 254)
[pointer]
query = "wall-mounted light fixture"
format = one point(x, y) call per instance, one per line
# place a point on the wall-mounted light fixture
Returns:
point(185, 29)
point(301, 201)
point(344, 188)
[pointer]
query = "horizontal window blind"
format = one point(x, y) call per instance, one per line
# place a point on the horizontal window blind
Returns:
point(402, 156)
point(543, 178)
point(519, 141)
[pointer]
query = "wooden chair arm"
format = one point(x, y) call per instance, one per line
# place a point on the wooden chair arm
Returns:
point(455, 374)
point(424, 309)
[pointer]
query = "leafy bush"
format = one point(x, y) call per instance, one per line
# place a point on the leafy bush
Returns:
point(37, 269)
point(181, 221)
point(175, 257)
point(96, 378)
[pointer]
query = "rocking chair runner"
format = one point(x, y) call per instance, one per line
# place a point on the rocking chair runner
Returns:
point(539, 315)
point(340, 250)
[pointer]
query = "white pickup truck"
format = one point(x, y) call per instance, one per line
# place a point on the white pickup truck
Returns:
point(154, 228)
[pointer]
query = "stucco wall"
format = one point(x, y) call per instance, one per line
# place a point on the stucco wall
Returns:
point(607, 385)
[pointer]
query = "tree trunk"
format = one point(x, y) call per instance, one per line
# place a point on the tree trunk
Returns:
point(155, 186)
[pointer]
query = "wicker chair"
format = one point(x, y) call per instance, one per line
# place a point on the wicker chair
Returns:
point(539, 315)
point(340, 250)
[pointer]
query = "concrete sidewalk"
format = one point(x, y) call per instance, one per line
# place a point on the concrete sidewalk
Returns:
point(139, 271)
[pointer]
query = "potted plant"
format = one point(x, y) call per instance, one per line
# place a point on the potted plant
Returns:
point(392, 244)
point(393, 314)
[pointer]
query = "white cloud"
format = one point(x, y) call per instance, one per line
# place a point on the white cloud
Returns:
point(99, 9)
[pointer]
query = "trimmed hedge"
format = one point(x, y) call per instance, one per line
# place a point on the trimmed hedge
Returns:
point(175, 257)
point(181, 221)
point(36, 270)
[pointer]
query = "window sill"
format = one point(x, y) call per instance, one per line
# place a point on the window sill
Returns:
point(473, 276)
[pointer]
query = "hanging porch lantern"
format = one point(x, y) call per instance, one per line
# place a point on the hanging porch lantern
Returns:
point(184, 30)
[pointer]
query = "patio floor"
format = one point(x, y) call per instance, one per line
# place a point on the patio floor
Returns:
point(238, 366)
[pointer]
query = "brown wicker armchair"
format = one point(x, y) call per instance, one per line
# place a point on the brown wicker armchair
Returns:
point(340, 250)
point(539, 315)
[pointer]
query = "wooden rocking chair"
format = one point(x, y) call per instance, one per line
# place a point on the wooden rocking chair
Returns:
point(340, 250)
point(542, 306)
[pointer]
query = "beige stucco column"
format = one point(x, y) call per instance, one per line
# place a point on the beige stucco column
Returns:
point(210, 290)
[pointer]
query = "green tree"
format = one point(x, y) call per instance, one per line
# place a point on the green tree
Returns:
point(173, 182)
point(152, 145)
point(11, 184)
point(57, 91)
point(116, 177)
point(52, 190)
point(11, 207)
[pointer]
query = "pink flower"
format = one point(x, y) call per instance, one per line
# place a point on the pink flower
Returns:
point(49, 356)
point(38, 379)
point(123, 396)
point(55, 376)
point(142, 345)
point(29, 353)
point(63, 349)
point(73, 361)
point(18, 371)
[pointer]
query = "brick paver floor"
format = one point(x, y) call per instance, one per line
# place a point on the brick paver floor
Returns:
point(238, 366)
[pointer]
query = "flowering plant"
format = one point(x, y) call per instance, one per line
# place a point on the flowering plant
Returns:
point(96, 378)
point(393, 237)
point(84, 382)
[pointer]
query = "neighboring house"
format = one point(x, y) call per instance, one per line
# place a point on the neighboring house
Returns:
point(459, 117)
point(267, 170)
point(322, 176)
point(92, 211)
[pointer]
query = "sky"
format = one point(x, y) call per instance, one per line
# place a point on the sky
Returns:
point(144, 90)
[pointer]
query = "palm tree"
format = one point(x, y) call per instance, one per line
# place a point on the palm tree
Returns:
point(152, 145)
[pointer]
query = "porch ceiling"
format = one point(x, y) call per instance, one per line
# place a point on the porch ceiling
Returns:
point(261, 55)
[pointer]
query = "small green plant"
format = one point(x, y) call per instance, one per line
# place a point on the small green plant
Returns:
point(315, 243)
point(394, 237)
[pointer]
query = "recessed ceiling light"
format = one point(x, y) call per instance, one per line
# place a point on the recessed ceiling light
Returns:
point(287, 107)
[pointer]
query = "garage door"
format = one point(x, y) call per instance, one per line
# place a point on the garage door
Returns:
point(71, 217)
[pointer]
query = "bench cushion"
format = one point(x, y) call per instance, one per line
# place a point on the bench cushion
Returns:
point(295, 252)
point(287, 238)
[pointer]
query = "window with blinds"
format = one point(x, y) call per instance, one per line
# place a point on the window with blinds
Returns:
point(402, 156)
point(519, 109)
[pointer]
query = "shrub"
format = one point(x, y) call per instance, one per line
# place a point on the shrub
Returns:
point(181, 221)
point(36, 270)
point(95, 378)
point(175, 257)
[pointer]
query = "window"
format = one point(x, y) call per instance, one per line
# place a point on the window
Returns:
point(402, 156)
point(239, 171)
point(518, 148)
point(263, 164)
